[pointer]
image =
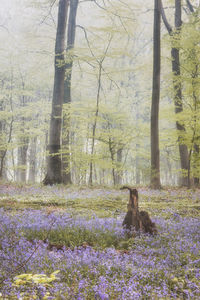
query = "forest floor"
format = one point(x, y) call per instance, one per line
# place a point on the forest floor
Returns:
point(68, 243)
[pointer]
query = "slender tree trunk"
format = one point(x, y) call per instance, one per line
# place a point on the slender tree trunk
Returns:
point(2, 143)
point(155, 153)
point(43, 161)
point(119, 173)
point(66, 172)
point(100, 65)
point(95, 123)
point(137, 159)
point(22, 160)
point(3, 148)
point(32, 161)
point(23, 142)
point(193, 151)
point(169, 179)
point(54, 170)
point(3, 152)
point(112, 156)
point(14, 177)
point(196, 164)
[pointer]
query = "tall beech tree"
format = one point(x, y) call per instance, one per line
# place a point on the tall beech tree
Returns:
point(54, 165)
point(155, 152)
point(71, 32)
point(177, 85)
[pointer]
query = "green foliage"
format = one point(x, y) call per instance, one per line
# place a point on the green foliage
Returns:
point(75, 236)
point(33, 282)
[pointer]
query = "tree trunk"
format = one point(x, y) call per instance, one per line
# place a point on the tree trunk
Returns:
point(169, 178)
point(193, 150)
point(112, 156)
point(119, 173)
point(155, 153)
point(54, 170)
point(32, 161)
point(183, 150)
point(99, 79)
point(66, 172)
point(95, 123)
point(196, 164)
point(22, 160)
point(2, 142)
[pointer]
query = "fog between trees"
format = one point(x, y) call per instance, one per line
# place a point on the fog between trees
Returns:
point(108, 118)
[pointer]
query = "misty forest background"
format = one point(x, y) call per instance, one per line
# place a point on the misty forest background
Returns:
point(105, 135)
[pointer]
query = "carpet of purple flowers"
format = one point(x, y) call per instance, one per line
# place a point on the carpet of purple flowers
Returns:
point(97, 260)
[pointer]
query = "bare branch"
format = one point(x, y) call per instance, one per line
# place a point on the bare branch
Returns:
point(86, 37)
point(164, 18)
point(190, 6)
point(49, 13)
point(106, 51)
point(101, 60)
point(111, 12)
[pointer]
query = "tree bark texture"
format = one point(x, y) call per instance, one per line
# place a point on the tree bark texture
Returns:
point(175, 55)
point(54, 170)
point(183, 150)
point(71, 33)
point(155, 153)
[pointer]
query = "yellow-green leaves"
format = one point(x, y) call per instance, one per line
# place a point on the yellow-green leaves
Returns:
point(29, 279)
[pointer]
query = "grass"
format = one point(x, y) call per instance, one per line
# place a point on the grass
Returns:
point(77, 237)
point(102, 202)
